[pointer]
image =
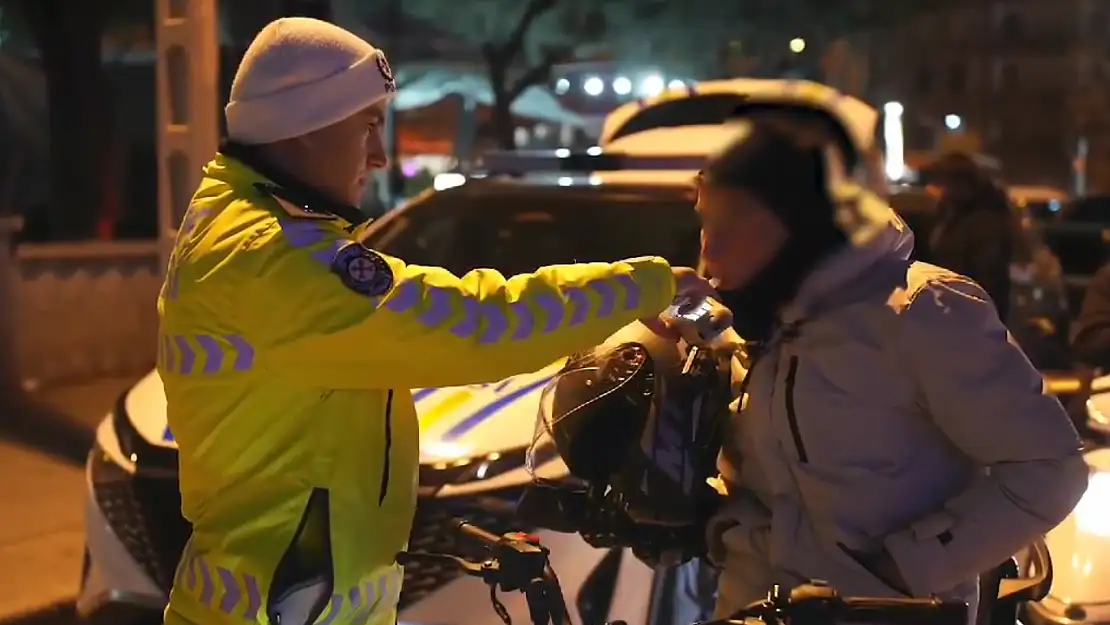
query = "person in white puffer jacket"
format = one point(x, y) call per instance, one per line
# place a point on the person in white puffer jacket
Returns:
point(889, 437)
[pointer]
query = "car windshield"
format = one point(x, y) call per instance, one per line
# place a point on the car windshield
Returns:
point(520, 232)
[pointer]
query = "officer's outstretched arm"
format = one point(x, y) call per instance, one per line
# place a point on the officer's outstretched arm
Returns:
point(340, 315)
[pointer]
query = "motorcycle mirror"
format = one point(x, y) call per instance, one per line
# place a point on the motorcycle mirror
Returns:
point(1032, 588)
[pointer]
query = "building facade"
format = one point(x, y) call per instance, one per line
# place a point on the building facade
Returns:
point(1026, 80)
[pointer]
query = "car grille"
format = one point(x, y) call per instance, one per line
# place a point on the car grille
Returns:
point(145, 514)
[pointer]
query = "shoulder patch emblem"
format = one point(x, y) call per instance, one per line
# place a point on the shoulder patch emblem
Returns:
point(362, 270)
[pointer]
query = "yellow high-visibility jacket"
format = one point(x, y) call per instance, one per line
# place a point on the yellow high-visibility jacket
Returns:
point(288, 349)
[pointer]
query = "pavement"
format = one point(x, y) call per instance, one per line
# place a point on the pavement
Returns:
point(43, 442)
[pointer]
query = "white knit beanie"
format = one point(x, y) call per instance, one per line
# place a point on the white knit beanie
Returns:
point(300, 75)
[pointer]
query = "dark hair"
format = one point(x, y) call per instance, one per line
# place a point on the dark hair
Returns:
point(784, 167)
point(956, 171)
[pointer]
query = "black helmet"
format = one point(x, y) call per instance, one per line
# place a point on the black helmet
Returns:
point(638, 420)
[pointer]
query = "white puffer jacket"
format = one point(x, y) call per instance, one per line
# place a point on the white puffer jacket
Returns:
point(891, 414)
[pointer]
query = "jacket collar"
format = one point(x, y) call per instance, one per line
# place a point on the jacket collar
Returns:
point(838, 278)
point(287, 187)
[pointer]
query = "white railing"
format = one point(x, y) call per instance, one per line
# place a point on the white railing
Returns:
point(81, 310)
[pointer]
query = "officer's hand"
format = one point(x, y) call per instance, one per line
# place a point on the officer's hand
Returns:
point(689, 286)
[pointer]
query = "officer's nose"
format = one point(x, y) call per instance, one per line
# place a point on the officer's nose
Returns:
point(375, 156)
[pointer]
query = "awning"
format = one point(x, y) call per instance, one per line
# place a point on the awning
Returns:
point(421, 88)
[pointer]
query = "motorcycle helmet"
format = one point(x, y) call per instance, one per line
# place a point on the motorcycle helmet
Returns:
point(841, 121)
point(845, 131)
point(637, 421)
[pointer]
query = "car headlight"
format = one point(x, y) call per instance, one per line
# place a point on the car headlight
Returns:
point(1090, 514)
point(104, 468)
point(148, 458)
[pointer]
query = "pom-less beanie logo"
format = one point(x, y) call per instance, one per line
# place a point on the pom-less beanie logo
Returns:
point(387, 73)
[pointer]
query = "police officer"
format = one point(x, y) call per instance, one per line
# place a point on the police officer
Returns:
point(288, 347)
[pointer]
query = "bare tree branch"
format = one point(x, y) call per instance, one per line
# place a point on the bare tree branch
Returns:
point(514, 43)
point(535, 75)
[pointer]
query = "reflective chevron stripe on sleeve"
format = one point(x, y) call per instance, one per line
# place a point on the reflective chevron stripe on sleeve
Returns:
point(205, 354)
point(488, 323)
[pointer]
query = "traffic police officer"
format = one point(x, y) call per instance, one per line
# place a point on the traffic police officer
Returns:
point(288, 348)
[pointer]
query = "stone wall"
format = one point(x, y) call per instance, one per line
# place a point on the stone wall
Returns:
point(84, 310)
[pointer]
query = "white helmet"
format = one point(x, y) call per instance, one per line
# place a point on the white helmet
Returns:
point(855, 121)
point(847, 129)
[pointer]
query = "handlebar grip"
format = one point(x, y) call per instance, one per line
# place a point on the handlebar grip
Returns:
point(904, 611)
point(476, 532)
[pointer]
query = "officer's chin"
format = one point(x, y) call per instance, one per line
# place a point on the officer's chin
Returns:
point(358, 190)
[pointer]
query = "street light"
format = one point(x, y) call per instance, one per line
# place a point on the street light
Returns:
point(593, 86)
point(622, 86)
point(797, 45)
point(653, 85)
point(953, 122)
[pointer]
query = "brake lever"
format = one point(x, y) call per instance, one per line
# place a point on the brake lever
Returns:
point(517, 562)
point(486, 570)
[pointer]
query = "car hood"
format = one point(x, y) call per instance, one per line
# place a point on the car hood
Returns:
point(455, 422)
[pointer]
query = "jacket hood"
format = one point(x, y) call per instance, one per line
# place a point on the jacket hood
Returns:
point(876, 233)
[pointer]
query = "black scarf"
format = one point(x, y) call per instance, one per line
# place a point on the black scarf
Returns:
point(756, 305)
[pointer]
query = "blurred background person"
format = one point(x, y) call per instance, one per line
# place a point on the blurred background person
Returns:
point(1090, 337)
point(973, 232)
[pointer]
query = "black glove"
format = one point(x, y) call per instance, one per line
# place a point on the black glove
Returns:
point(655, 545)
point(604, 524)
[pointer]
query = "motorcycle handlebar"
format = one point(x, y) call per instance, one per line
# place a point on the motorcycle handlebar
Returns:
point(860, 610)
point(516, 562)
point(476, 532)
point(903, 611)
point(519, 562)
